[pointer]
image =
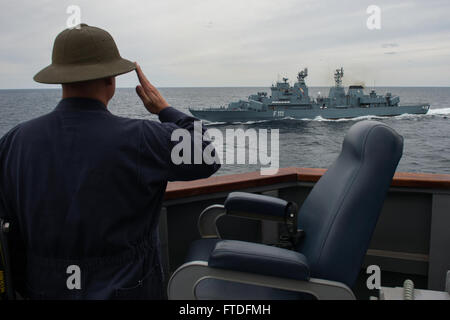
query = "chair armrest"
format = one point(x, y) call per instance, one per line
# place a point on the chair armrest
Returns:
point(257, 258)
point(249, 205)
point(260, 207)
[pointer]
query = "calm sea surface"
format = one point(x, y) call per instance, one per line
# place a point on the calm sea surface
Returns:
point(303, 143)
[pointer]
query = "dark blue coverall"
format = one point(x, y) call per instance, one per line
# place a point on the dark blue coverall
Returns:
point(84, 187)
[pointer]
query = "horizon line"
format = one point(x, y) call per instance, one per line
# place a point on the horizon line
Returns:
point(193, 87)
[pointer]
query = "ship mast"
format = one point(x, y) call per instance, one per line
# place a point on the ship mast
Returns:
point(338, 77)
point(302, 75)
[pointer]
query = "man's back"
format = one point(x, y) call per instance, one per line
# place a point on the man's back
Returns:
point(84, 188)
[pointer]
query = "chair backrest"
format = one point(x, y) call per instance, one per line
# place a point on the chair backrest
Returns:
point(341, 212)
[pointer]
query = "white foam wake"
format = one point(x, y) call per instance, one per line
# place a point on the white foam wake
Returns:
point(440, 111)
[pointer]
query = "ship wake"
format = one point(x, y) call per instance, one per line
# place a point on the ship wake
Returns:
point(432, 112)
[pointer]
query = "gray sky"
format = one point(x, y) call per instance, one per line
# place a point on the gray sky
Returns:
point(241, 43)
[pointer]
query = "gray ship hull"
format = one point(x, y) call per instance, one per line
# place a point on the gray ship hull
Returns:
point(224, 115)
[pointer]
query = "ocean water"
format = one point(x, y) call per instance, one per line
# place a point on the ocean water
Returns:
point(303, 143)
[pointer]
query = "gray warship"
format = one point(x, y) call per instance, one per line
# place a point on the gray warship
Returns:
point(288, 101)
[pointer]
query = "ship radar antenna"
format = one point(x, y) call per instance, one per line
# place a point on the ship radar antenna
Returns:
point(302, 75)
point(338, 76)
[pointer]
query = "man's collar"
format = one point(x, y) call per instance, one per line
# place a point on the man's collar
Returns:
point(82, 104)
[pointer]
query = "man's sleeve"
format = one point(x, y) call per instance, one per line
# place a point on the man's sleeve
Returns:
point(180, 146)
point(2, 176)
point(16, 242)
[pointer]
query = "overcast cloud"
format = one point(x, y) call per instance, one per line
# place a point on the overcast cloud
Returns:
point(241, 43)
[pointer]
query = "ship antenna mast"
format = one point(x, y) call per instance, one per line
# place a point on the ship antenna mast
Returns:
point(302, 75)
point(338, 76)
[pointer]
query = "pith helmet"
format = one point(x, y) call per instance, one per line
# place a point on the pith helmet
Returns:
point(83, 53)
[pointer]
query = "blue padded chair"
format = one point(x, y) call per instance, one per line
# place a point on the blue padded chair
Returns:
point(337, 220)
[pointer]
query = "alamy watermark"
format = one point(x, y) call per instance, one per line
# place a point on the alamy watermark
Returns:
point(374, 280)
point(74, 20)
point(374, 20)
point(74, 279)
point(190, 149)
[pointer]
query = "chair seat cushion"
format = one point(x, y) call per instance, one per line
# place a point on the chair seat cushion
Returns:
point(214, 289)
point(259, 258)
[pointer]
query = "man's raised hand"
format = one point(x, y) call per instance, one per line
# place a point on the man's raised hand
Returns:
point(153, 101)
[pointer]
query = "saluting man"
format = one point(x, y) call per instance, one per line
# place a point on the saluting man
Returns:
point(83, 188)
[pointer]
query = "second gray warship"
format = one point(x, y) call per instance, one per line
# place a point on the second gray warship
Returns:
point(288, 101)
